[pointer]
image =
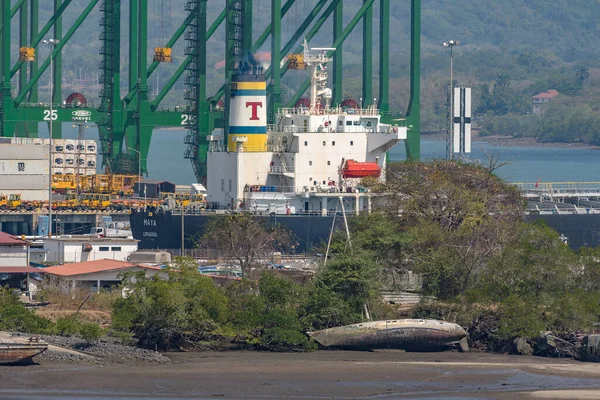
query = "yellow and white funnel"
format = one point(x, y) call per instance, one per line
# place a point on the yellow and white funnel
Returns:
point(248, 113)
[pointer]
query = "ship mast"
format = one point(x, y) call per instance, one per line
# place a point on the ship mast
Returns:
point(316, 58)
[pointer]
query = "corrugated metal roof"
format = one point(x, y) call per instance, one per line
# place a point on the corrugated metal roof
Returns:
point(88, 267)
point(6, 239)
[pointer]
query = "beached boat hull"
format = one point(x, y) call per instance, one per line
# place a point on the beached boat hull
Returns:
point(17, 349)
point(406, 334)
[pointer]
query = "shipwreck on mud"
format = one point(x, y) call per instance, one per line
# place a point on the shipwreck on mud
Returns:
point(404, 334)
point(16, 349)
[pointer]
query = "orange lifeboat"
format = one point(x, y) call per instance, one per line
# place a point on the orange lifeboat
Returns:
point(354, 169)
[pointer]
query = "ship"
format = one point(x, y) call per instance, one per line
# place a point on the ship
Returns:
point(17, 349)
point(404, 334)
point(299, 172)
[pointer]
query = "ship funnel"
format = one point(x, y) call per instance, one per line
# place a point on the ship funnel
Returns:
point(248, 112)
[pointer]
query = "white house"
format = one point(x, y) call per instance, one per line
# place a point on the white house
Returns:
point(71, 249)
point(14, 251)
point(540, 100)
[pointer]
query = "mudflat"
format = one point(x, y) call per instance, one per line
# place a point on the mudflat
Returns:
point(318, 375)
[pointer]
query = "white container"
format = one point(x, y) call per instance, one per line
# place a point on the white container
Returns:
point(70, 146)
point(10, 151)
point(90, 161)
point(58, 160)
point(15, 183)
point(91, 147)
point(23, 167)
point(70, 171)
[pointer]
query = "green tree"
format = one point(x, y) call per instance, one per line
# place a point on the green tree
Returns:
point(244, 238)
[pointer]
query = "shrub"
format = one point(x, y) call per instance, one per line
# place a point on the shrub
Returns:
point(90, 332)
point(68, 326)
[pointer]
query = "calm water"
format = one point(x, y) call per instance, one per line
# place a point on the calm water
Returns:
point(527, 164)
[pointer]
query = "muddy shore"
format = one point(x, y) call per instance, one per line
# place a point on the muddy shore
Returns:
point(318, 375)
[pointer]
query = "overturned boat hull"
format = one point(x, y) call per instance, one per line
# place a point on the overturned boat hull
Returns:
point(19, 349)
point(406, 334)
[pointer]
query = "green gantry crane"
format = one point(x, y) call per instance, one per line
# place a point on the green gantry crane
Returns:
point(125, 124)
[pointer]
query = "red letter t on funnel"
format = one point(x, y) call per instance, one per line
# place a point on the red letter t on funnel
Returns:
point(254, 105)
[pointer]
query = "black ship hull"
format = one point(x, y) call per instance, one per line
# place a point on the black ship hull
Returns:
point(160, 230)
point(163, 230)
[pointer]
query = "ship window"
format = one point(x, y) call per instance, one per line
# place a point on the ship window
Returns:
point(356, 122)
point(103, 248)
point(349, 123)
point(341, 123)
point(352, 143)
point(305, 143)
point(328, 162)
point(310, 163)
point(115, 248)
point(230, 185)
point(369, 123)
point(222, 185)
point(333, 143)
point(324, 143)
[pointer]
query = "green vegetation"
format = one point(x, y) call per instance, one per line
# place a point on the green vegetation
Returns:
point(458, 226)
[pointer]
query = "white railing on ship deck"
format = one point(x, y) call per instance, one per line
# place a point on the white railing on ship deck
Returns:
point(369, 111)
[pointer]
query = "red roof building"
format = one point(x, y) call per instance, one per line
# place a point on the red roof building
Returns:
point(6, 239)
point(539, 100)
point(97, 274)
point(14, 251)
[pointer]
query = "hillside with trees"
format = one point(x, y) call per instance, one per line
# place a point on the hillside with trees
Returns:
point(509, 51)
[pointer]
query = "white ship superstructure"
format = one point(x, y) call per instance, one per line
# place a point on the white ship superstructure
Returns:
point(308, 161)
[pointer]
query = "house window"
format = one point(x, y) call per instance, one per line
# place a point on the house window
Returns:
point(324, 143)
point(103, 248)
point(333, 143)
point(115, 248)
point(328, 162)
point(310, 163)
point(305, 143)
point(352, 143)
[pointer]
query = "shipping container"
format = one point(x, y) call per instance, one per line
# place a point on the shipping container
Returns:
point(90, 161)
point(71, 146)
point(91, 147)
point(10, 151)
point(23, 167)
point(58, 160)
point(10, 183)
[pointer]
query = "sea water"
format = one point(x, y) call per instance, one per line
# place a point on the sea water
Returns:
point(524, 163)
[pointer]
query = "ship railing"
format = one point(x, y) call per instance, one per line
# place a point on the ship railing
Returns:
point(279, 169)
point(559, 189)
point(282, 128)
point(369, 111)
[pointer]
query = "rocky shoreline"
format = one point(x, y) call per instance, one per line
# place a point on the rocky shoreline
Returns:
point(105, 349)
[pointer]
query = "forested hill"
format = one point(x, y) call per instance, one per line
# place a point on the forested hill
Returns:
point(570, 29)
point(510, 50)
